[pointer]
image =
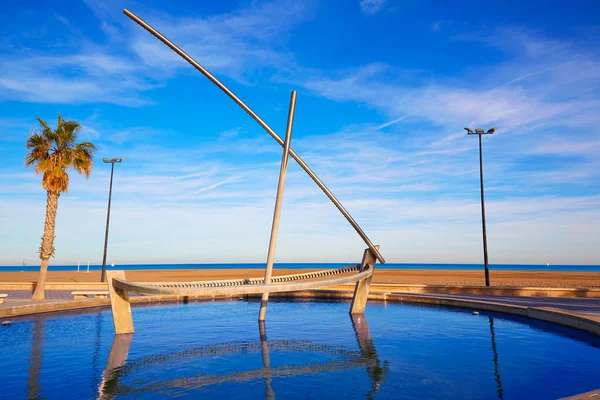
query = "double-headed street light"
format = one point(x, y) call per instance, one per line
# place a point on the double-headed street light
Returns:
point(112, 169)
point(485, 253)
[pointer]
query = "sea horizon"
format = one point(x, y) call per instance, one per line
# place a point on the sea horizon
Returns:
point(414, 266)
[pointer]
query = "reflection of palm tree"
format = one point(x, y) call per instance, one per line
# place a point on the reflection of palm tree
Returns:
point(375, 371)
point(35, 362)
point(496, 367)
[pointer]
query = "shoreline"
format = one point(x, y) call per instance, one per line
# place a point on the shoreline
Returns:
point(551, 279)
point(324, 265)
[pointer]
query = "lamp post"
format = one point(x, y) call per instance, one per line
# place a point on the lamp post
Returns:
point(112, 170)
point(485, 253)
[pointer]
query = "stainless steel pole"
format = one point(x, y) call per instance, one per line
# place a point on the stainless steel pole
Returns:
point(263, 124)
point(103, 276)
point(278, 200)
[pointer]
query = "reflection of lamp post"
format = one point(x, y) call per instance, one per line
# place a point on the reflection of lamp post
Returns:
point(112, 169)
point(485, 253)
point(496, 368)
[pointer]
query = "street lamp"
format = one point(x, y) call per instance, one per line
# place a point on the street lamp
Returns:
point(480, 132)
point(112, 169)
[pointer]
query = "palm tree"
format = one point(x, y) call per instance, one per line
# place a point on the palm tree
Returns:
point(52, 152)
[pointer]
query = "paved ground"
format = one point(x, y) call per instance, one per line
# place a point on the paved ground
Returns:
point(18, 297)
point(582, 305)
point(591, 306)
point(21, 295)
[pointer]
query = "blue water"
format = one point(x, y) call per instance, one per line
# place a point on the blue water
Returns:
point(307, 350)
point(493, 267)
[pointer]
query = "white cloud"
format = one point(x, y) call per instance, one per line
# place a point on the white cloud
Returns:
point(554, 230)
point(542, 82)
point(378, 178)
point(371, 7)
point(543, 101)
point(512, 106)
point(237, 44)
point(229, 133)
point(206, 188)
point(61, 18)
point(97, 77)
point(410, 180)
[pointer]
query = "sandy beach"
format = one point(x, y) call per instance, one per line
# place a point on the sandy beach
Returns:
point(382, 275)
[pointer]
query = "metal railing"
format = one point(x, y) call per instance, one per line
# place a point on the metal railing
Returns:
point(261, 281)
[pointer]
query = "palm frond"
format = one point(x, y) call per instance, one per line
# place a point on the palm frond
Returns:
point(44, 165)
point(39, 147)
point(83, 159)
point(46, 131)
point(44, 125)
point(86, 145)
point(68, 133)
point(53, 151)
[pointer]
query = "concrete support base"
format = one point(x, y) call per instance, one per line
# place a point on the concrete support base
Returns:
point(119, 302)
point(361, 291)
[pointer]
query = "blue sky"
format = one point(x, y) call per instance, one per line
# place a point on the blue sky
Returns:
point(384, 90)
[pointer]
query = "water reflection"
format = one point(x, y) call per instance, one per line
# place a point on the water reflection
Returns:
point(375, 370)
point(263, 366)
point(117, 367)
point(96, 356)
point(496, 367)
point(35, 361)
point(116, 359)
point(264, 351)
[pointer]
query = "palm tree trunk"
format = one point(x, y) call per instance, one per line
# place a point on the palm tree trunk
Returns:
point(47, 247)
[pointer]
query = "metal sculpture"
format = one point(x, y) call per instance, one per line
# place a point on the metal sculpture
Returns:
point(362, 273)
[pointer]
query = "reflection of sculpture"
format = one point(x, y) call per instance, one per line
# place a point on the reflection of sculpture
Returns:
point(117, 367)
point(361, 274)
point(376, 372)
point(264, 351)
point(116, 359)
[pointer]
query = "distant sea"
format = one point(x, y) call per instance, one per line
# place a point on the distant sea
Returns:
point(493, 267)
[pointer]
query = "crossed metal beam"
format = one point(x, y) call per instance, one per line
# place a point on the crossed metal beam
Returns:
point(264, 125)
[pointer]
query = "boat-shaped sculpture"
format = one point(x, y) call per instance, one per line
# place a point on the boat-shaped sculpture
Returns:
point(362, 274)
